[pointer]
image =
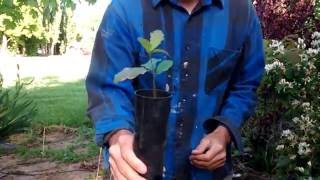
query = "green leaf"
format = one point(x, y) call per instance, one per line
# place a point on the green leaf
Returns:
point(146, 44)
point(282, 162)
point(160, 51)
point(129, 73)
point(156, 37)
point(165, 65)
point(8, 3)
point(32, 3)
point(151, 64)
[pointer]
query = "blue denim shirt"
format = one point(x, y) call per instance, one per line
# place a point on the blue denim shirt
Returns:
point(218, 64)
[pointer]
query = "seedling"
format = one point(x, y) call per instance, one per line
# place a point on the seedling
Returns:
point(155, 66)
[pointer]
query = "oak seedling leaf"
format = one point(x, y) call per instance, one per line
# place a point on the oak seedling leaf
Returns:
point(151, 64)
point(156, 37)
point(163, 66)
point(145, 44)
point(160, 51)
point(129, 73)
point(154, 65)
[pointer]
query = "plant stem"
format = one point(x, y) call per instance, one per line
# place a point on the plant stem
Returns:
point(154, 92)
point(154, 84)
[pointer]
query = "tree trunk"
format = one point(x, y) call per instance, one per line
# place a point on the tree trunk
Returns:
point(4, 44)
point(52, 48)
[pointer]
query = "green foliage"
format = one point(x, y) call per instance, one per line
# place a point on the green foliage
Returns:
point(317, 9)
point(151, 64)
point(284, 135)
point(29, 25)
point(129, 73)
point(164, 66)
point(16, 110)
point(154, 65)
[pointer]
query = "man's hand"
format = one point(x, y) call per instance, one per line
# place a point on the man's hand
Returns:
point(123, 162)
point(211, 153)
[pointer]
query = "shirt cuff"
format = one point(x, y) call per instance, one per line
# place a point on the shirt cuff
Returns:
point(212, 123)
point(103, 128)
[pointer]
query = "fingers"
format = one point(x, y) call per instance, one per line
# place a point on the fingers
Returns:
point(212, 163)
point(217, 164)
point(209, 154)
point(122, 158)
point(202, 147)
point(212, 166)
point(115, 171)
point(212, 152)
point(121, 165)
point(129, 156)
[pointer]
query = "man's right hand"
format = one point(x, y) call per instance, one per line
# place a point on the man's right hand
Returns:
point(123, 161)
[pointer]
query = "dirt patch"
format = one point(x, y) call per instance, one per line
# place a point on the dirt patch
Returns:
point(16, 169)
point(13, 167)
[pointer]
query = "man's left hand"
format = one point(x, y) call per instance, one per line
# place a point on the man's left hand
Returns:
point(211, 153)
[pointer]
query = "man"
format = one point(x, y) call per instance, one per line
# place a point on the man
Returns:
point(217, 49)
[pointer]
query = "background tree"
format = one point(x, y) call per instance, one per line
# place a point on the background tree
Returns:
point(38, 23)
point(288, 17)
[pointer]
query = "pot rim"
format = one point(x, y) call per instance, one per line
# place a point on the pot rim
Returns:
point(151, 97)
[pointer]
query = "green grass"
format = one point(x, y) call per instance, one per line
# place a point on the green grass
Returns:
point(60, 103)
point(67, 154)
point(63, 104)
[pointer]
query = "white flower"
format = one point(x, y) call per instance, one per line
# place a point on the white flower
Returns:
point(315, 35)
point(295, 102)
point(286, 83)
point(292, 157)
point(295, 119)
point(306, 106)
point(306, 80)
point(274, 65)
point(277, 46)
point(301, 44)
point(315, 43)
point(311, 51)
point(280, 147)
point(309, 163)
point(303, 148)
point(304, 57)
point(286, 132)
point(301, 169)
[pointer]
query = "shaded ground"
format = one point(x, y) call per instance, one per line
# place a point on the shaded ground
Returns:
point(58, 91)
point(17, 169)
point(25, 165)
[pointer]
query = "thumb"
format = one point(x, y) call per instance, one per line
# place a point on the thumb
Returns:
point(202, 147)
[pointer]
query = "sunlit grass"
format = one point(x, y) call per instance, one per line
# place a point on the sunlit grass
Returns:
point(60, 103)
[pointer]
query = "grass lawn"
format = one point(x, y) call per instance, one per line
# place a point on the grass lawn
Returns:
point(60, 103)
point(60, 132)
point(61, 109)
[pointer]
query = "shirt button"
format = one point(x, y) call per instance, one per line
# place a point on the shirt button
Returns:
point(187, 47)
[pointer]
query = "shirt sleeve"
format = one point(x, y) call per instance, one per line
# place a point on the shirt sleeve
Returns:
point(110, 105)
point(241, 99)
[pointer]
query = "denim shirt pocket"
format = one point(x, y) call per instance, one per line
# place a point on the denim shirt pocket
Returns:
point(220, 66)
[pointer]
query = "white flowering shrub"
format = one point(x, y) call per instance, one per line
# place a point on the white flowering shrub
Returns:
point(284, 135)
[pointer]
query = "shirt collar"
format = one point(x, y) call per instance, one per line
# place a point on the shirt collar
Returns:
point(219, 3)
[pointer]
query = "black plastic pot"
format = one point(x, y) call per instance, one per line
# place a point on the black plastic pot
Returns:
point(151, 124)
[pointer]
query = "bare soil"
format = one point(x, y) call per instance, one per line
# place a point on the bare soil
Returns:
point(13, 167)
